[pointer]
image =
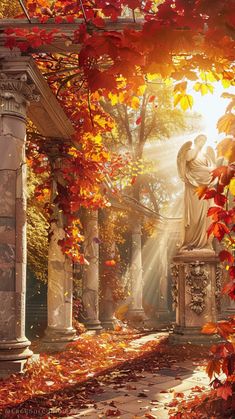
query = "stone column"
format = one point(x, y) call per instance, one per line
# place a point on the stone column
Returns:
point(90, 292)
point(162, 313)
point(136, 312)
point(195, 279)
point(15, 93)
point(59, 331)
point(107, 304)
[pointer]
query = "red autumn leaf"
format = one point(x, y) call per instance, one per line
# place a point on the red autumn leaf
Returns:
point(58, 19)
point(100, 79)
point(216, 213)
point(232, 272)
point(223, 173)
point(218, 230)
point(225, 255)
point(151, 99)
point(138, 120)
point(224, 391)
point(220, 199)
point(209, 193)
point(132, 4)
point(70, 19)
point(133, 180)
point(98, 22)
point(229, 289)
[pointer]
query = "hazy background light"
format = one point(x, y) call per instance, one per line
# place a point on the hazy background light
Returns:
point(211, 107)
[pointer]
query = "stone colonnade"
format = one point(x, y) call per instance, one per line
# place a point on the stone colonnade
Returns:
point(16, 94)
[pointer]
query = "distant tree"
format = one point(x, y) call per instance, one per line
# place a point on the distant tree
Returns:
point(150, 117)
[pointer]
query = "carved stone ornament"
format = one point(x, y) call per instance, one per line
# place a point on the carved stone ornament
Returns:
point(16, 93)
point(197, 279)
point(174, 286)
point(218, 286)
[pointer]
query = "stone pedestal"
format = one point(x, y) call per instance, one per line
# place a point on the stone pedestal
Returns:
point(136, 315)
point(194, 274)
point(90, 291)
point(14, 96)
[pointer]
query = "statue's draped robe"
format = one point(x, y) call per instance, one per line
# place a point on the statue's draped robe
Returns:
point(198, 173)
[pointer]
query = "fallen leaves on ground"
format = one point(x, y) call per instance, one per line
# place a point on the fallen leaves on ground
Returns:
point(83, 359)
point(84, 371)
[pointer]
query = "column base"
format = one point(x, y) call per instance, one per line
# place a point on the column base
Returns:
point(13, 356)
point(93, 325)
point(136, 317)
point(193, 336)
point(164, 316)
point(157, 324)
point(109, 324)
point(13, 350)
point(56, 340)
point(226, 313)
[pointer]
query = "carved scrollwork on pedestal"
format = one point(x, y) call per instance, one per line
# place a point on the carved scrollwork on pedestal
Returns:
point(174, 287)
point(197, 279)
point(218, 286)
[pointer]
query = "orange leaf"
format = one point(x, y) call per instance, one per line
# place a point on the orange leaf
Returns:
point(209, 328)
point(110, 262)
point(213, 367)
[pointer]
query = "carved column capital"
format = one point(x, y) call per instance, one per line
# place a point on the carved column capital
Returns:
point(15, 94)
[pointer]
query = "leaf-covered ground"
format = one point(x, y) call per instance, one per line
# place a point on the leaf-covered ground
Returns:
point(64, 384)
point(61, 384)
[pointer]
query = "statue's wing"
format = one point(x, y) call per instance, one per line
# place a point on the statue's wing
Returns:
point(181, 159)
point(211, 154)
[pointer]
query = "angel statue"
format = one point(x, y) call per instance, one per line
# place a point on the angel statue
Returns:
point(194, 168)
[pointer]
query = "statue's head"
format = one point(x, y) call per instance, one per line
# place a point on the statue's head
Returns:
point(200, 141)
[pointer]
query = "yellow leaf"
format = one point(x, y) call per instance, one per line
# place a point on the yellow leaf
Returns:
point(121, 97)
point(113, 98)
point(203, 88)
point(226, 123)
point(226, 83)
point(212, 76)
point(186, 102)
point(177, 98)
point(232, 186)
point(135, 102)
point(141, 90)
point(168, 82)
point(152, 76)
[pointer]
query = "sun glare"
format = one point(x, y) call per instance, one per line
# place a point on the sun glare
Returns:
point(211, 107)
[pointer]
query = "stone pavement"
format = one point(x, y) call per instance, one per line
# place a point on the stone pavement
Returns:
point(150, 396)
